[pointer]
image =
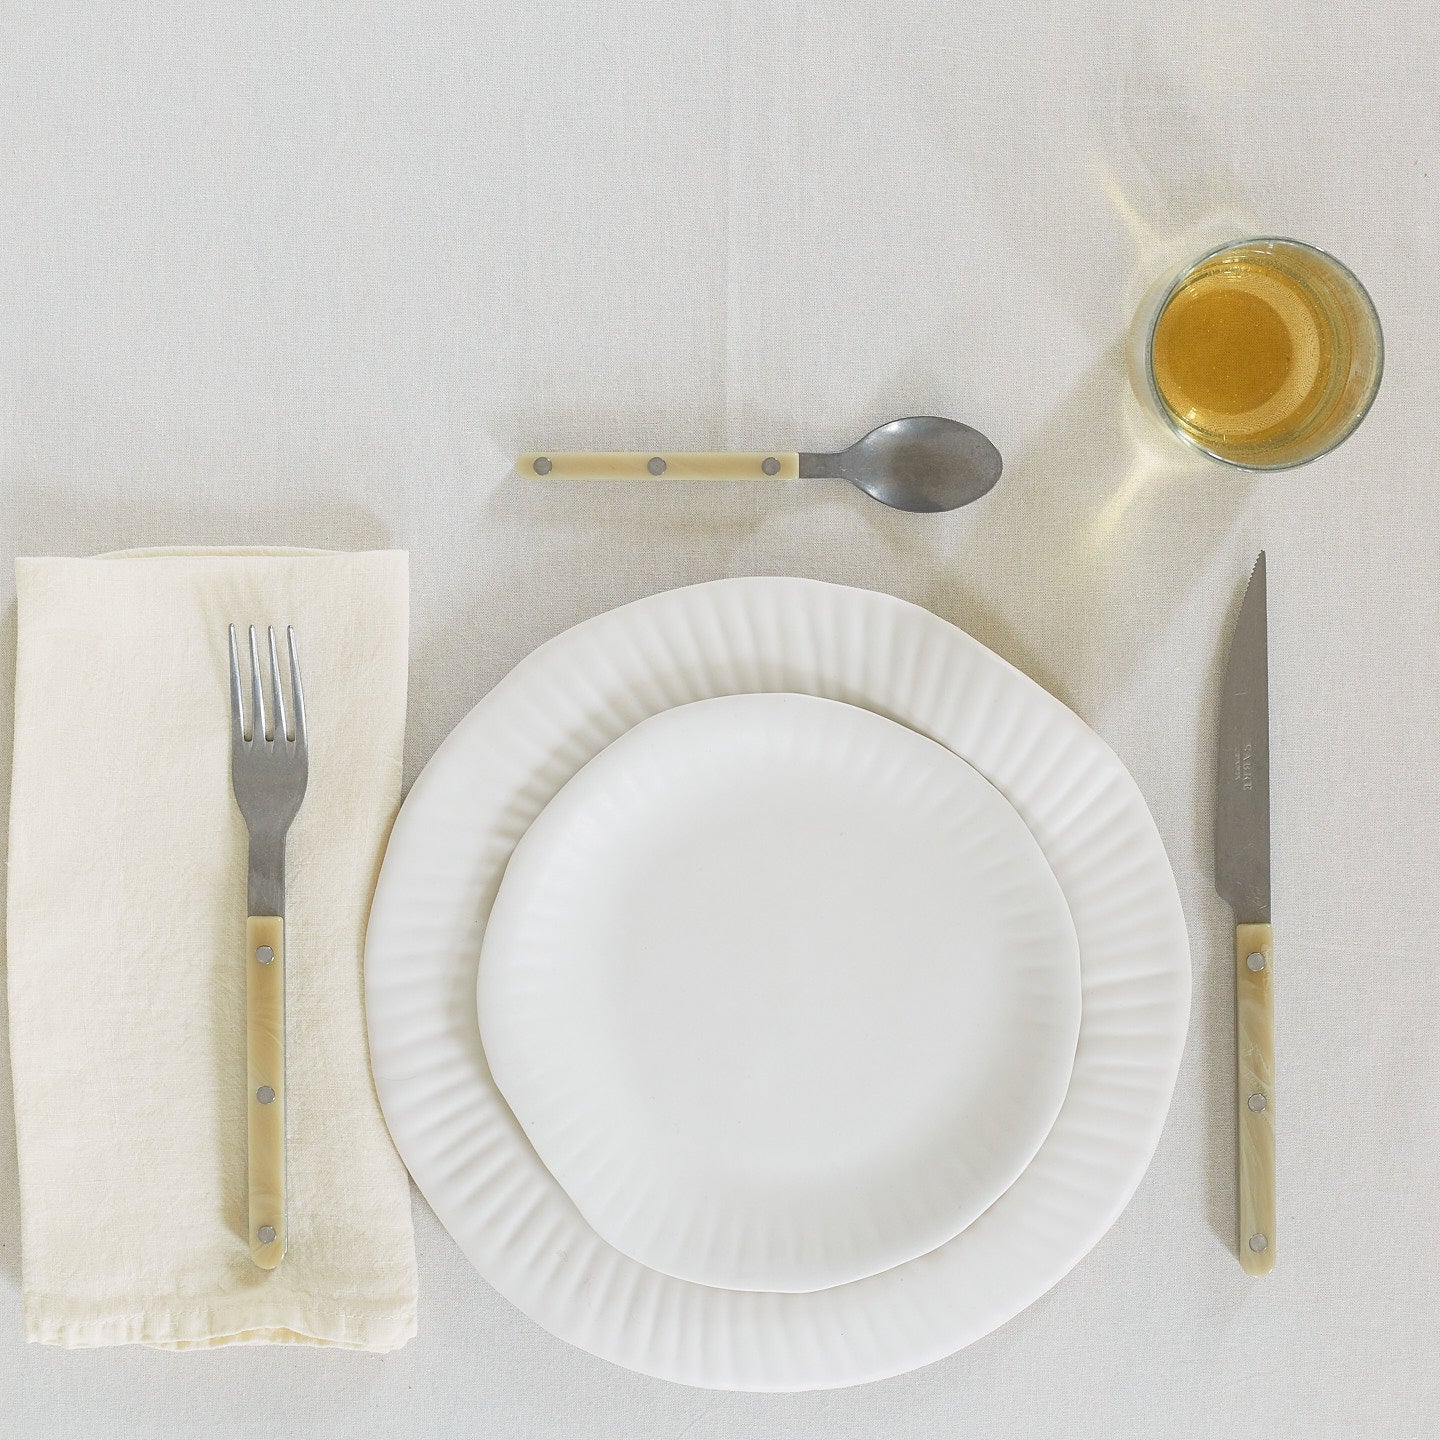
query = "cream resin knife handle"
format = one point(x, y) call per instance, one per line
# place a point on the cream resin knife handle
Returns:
point(265, 1069)
point(664, 465)
point(1255, 1073)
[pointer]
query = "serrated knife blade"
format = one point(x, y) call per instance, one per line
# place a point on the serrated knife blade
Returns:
point(1242, 876)
point(1242, 777)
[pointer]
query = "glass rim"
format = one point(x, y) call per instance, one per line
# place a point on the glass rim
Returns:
point(1188, 270)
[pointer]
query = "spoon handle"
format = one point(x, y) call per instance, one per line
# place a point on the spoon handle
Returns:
point(661, 465)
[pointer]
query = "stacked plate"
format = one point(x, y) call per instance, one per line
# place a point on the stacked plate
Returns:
point(771, 988)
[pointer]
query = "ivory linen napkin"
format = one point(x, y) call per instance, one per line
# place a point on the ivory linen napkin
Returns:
point(127, 900)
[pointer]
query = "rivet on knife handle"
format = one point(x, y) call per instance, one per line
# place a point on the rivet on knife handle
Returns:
point(1255, 1075)
point(265, 1072)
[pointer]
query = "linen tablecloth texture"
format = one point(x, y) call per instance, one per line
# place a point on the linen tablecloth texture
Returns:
point(126, 932)
point(316, 274)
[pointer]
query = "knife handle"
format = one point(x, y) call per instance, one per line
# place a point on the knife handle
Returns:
point(661, 465)
point(265, 1075)
point(1255, 1074)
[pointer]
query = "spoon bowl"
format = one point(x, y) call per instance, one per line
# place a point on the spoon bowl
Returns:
point(923, 463)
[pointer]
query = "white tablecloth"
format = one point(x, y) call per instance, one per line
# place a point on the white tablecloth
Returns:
point(310, 274)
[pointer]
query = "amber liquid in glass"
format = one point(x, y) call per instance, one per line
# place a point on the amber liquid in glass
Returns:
point(1251, 352)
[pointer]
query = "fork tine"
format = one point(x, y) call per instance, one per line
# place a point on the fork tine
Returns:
point(297, 692)
point(237, 700)
point(259, 725)
point(282, 730)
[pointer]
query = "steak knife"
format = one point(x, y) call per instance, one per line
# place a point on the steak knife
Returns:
point(1242, 876)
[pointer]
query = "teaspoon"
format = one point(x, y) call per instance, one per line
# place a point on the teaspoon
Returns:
point(923, 463)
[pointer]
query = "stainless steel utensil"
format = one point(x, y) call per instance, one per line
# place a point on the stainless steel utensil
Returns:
point(1242, 876)
point(923, 463)
point(269, 768)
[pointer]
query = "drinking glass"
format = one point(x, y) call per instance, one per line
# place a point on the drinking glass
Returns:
point(1262, 354)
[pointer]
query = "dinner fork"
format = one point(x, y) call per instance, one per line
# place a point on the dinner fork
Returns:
point(269, 767)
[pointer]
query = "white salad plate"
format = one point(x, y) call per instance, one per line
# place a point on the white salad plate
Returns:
point(783, 993)
point(555, 712)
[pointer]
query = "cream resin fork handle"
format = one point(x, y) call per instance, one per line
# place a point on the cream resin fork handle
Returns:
point(661, 465)
point(265, 1069)
point(1255, 1077)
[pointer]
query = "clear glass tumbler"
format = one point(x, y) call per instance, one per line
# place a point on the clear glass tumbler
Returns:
point(1262, 354)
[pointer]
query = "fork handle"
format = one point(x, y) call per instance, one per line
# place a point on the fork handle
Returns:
point(265, 1073)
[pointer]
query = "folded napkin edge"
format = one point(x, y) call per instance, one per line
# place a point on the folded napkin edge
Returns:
point(212, 1324)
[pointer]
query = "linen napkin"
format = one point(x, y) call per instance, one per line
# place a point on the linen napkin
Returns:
point(126, 953)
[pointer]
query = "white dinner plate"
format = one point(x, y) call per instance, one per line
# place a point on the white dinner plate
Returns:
point(508, 758)
point(783, 993)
